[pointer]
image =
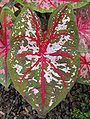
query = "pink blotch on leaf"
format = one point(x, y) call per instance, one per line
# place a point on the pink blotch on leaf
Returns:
point(3, 2)
point(84, 70)
point(2, 71)
point(83, 26)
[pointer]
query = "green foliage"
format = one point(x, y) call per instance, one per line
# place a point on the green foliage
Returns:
point(49, 6)
point(81, 4)
point(6, 19)
point(77, 114)
point(8, 12)
point(82, 111)
point(84, 81)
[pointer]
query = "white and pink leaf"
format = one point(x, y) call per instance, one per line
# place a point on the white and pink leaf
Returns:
point(43, 64)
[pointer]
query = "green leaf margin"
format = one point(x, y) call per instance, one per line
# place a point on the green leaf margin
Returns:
point(75, 6)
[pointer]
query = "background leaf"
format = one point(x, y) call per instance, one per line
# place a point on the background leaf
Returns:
point(5, 31)
point(81, 4)
point(51, 5)
point(83, 24)
point(84, 70)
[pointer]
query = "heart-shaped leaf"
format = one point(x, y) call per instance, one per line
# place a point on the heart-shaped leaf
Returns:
point(83, 25)
point(43, 66)
point(5, 31)
point(51, 5)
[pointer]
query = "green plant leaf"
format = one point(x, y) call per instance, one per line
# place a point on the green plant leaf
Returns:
point(8, 12)
point(6, 18)
point(80, 4)
point(84, 70)
point(43, 66)
point(50, 5)
point(83, 25)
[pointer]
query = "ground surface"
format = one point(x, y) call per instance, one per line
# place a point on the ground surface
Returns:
point(13, 106)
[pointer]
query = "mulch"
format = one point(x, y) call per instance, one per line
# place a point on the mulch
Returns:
point(13, 106)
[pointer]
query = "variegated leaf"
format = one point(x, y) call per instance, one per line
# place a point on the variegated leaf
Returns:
point(43, 66)
point(51, 5)
point(5, 32)
point(84, 70)
point(83, 25)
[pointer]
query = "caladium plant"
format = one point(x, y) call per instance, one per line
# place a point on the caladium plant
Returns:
point(6, 19)
point(43, 66)
point(83, 25)
point(51, 5)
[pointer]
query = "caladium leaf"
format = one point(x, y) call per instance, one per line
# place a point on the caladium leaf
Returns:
point(80, 4)
point(84, 70)
point(43, 66)
point(3, 2)
point(83, 25)
point(9, 14)
point(51, 5)
point(5, 31)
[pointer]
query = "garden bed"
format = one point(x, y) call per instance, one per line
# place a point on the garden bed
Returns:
point(13, 106)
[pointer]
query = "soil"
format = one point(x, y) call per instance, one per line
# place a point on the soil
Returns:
point(13, 106)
